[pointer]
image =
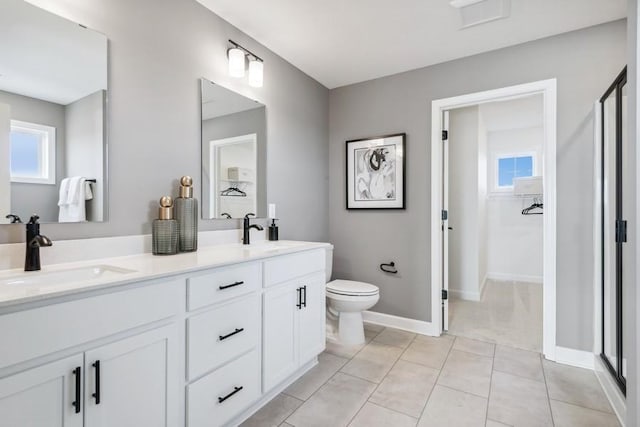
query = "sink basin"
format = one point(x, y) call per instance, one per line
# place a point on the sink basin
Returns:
point(270, 246)
point(80, 274)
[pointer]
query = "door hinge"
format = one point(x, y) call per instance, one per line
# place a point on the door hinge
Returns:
point(445, 294)
point(621, 231)
point(445, 135)
point(445, 215)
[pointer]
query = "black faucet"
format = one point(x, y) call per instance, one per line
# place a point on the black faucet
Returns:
point(246, 227)
point(34, 241)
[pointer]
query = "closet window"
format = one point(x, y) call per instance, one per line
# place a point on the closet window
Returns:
point(513, 166)
point(33, 153)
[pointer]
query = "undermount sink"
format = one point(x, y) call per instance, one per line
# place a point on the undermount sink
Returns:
point(71, 275)
point(271, 246)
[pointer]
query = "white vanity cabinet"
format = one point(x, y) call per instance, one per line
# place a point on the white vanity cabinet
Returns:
point(116, 378)
point(131, 382)
point(294, 315)
point(43, 396)
point(201, 347)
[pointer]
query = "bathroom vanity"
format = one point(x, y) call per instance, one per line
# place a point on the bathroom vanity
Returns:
point(200, 339)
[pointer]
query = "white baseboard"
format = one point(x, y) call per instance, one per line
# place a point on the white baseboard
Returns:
point(611, 390)
point(515, 277)
point(465, 295)
point(577, 358)
point(397, 322)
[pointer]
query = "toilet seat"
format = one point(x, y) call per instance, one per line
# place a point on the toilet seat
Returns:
point(351, 288)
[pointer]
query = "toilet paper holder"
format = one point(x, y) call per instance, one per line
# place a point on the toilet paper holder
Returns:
point(389, 268)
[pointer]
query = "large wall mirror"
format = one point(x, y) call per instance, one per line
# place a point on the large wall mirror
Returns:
point(53, 88)
point(233, 154)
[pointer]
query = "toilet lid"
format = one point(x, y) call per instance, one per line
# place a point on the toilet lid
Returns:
point(349, 287)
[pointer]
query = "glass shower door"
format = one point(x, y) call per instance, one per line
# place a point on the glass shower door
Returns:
point(615, 253)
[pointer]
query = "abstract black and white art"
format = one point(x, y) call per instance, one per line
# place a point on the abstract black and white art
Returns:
point(375, 172)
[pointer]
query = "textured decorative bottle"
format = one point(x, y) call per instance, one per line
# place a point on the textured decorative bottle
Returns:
point(187, 216)
point(165, 229)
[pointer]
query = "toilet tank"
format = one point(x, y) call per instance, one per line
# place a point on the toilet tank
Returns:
point(329, 264)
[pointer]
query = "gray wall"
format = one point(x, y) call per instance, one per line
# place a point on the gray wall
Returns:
point(242, 123)
point(158, 50)
point(42, 199)
point(584, 62)
point(85, 147)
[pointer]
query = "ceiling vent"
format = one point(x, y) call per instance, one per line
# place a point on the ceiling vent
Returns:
point(476, 12)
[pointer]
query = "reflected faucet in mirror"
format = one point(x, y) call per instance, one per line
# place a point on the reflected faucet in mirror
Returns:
point(246, 228)
point(226, 215)
point(14, 219)
point(34, 242)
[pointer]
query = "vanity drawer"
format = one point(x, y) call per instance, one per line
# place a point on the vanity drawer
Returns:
point(222, 284)
point(40, 331)
point(219, 335)
point(287, 267)
point(210, 401)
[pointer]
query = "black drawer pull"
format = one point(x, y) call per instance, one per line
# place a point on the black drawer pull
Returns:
point(96, 395)
point(237, 331)
point(235, 390)
point(76, 403)
point(299, 298)
point(231, 285)
point(304, 293)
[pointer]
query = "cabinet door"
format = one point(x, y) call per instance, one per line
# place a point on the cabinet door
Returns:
point(279, 348)
point(312, 329)
point(43, 396)
point(130, 383)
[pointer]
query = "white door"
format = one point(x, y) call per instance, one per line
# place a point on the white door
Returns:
point(280, 358)
point(46, 396)
point(127, 384)
point(445, 221)
point(311, 339)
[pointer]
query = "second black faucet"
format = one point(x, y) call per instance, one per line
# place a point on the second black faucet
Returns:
point(246, 227)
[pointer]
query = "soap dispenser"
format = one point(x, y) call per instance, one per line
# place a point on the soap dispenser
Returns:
point(273, 229)
point(165, 229)
point(186, 208)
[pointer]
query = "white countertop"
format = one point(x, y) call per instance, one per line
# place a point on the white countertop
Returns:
point(142, 267)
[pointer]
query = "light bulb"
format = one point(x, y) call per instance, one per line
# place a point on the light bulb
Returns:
point(256, 69)
point(236, 62)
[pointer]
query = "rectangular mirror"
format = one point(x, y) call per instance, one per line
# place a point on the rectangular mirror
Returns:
point(53, 89)
point(234, 141)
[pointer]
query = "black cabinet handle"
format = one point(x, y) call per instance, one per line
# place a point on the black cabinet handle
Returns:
point(222, 287)
point(299, 298)
point(304, 292)
point(235, 390)
point(237, 331)
point(96, 395)
point(78, 374)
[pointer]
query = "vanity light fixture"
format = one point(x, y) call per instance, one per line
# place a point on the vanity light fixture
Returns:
point(237, 64)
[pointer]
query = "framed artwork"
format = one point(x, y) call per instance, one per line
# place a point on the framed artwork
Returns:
point(375, 172)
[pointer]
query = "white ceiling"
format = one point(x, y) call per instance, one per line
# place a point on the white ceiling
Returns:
point(219, 101)
point(339, 42)
point(47, 57)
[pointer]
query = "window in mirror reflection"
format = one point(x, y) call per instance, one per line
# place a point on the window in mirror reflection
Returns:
point(33, 148)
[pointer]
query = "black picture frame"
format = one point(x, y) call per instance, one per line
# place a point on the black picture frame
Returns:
point(389, 172)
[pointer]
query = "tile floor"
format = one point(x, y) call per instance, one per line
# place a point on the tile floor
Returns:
point(509, 313)
point(401, 379)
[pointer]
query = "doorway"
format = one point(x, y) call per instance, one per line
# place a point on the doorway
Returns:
point(440, 224)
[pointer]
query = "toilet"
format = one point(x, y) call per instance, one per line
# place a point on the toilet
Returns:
point(346, 300)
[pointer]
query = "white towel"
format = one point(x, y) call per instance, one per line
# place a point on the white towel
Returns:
point(64, 192)
point(74, 208)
